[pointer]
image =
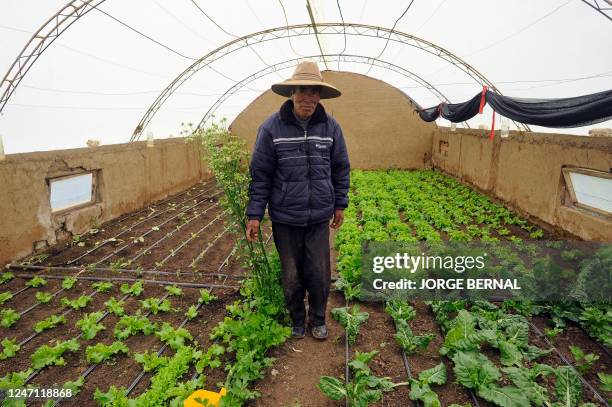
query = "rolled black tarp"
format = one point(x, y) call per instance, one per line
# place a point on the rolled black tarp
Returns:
point(566, 112)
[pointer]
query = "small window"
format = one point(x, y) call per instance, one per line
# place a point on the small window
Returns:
point(590, 189)
point(68, 192)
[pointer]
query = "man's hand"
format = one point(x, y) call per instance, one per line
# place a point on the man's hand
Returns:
point(252, 231)
point(338, 218)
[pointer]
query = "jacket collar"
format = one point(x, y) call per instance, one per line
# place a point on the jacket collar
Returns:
point(286, 114)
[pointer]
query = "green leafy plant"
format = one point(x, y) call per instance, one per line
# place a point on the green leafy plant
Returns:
point(211, 358)
point(351, 319)
point(75, 385)
point(48, 323)
point(132, 324)
point(584, 362)
point(174, 290)
point(36, 282)
point(206, 297)
point(6, 276)
point(5, 296)
point(192, 312)
point(151, 360)
point(155, 305)
point(421, 389)
point(8, 317)
point(77, 303)
point(363, 389)
point(133, 290)
point(114, 397)
point(9, 348)
point(410, 342)
point(102, 286)
point(475, 371)
point(89, 324)
point(68, 283)
point(15, 379)
point(47, 355)
point(100, 352)
point(115, 306)
point(567, 386)
point(43, 297)
point(175, 338)
point(606, 381)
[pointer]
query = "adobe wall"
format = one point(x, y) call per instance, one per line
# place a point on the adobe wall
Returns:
point(524, 171)
point(379, 124)
point(130, 176)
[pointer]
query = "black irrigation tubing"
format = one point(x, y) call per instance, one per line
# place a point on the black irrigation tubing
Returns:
point(112, 239)
point(35, 334)
point(127, 271)
point(133, 226)
point(569, 364)
point(161, 282)
point(171, 233)
point(36, 304)
point(183, 244)
point(405, 362)
point(36, 372)
point(91, 368)
point(210, 244)
point(175, 250)
point(161, 202)
point(19, 291)
point(156, 228)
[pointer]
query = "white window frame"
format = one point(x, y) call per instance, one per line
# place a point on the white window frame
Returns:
point(572, 193)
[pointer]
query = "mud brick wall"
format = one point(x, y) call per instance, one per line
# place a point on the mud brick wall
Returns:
point(524, 171)
point(128, 176)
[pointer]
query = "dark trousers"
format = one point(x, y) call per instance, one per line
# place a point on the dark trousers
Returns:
point(305, 265)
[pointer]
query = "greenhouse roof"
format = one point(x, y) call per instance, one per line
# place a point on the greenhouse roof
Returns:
point(102, 75)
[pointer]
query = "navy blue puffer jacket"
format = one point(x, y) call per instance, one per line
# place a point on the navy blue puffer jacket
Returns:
point(303, 175)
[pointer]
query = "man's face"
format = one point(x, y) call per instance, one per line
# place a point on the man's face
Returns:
point(305, 99)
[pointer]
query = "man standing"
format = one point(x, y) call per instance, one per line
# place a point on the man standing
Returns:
point(300, 169)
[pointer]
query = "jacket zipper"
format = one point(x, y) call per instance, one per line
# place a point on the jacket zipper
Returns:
point(307, 147)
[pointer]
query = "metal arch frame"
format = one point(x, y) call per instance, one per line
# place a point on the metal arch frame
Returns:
point(75, 9)
point(605, 11)
point(40, 41)
point(319, 58)
point(308, 29)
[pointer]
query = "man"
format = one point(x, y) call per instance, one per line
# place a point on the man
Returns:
point(300, 169)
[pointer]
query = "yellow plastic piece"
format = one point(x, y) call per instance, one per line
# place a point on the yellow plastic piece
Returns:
point(212, 397)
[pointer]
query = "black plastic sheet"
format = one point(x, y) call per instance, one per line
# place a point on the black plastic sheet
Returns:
point(566, 112)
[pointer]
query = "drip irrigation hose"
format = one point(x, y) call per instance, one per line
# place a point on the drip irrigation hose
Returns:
point(162, 282)
point(170, 234)
point(31, 307)
point(569, 364)
point(36, 372)
point(91, 368)
point(156, 228)
point(96, 247)
point(127, 271)
point(210, 244)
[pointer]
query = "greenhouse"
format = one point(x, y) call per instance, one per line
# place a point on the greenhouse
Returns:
point(318, 203)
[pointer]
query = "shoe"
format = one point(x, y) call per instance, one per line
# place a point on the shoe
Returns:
point(319, 332)
point(298, 332)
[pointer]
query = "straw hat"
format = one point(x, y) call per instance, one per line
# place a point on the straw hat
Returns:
point(306, 74)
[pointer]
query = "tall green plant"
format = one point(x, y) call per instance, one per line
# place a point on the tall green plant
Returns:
point(227, 157)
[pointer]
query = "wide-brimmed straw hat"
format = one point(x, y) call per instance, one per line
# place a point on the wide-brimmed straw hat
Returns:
point(306, 74)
